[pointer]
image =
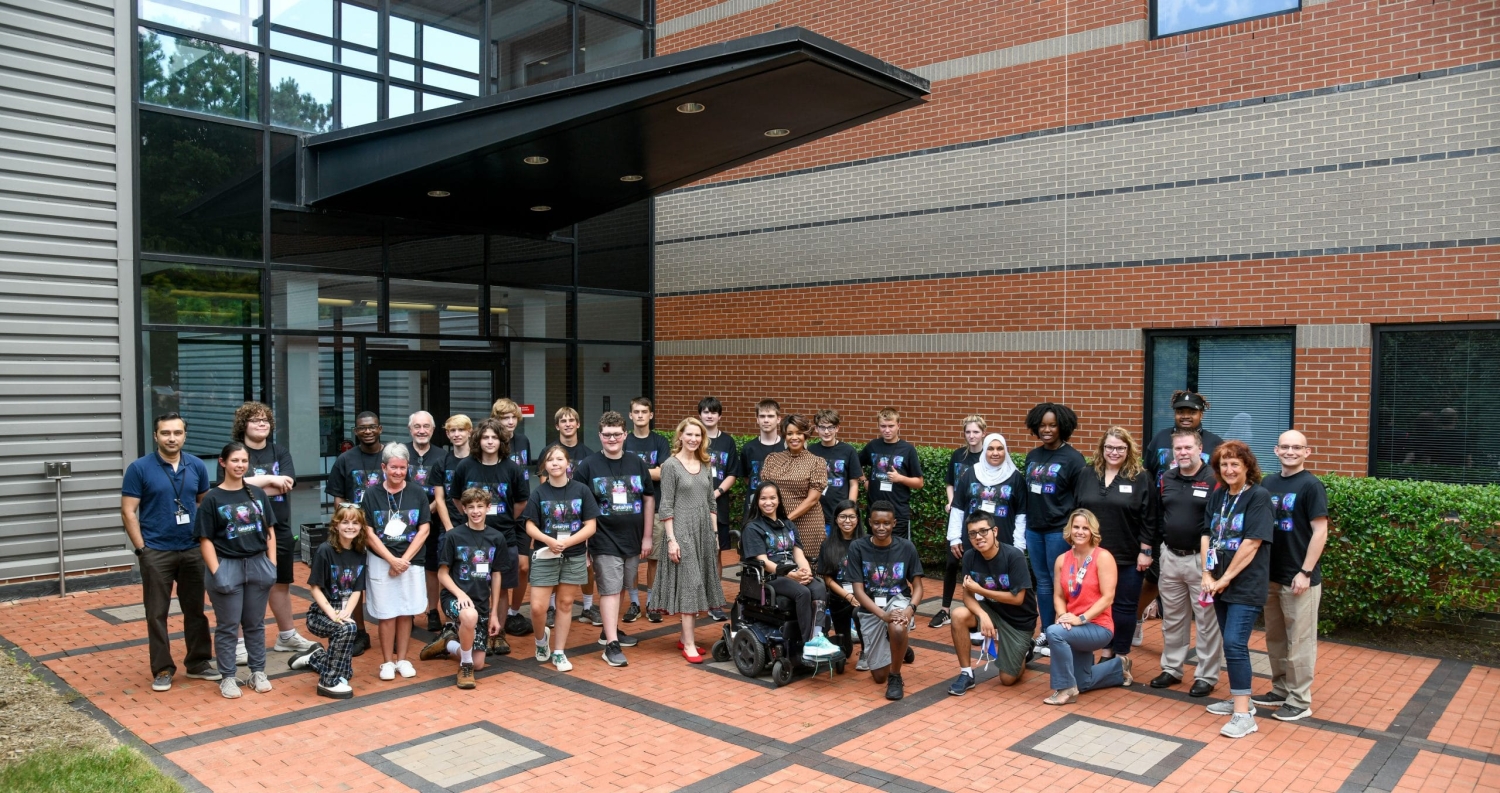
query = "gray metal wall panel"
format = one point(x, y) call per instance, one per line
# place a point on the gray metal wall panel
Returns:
point(62, 245)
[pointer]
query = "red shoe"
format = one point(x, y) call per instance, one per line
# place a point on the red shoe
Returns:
point(680, 645)
point(692, 659)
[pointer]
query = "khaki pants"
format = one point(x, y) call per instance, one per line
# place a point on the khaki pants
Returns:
point(1292, 641)
point(1180, 580)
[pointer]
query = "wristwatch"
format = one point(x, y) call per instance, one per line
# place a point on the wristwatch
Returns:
point(140, 550)
point(1307, 573)
point(1149, 552)
point(1083, 619)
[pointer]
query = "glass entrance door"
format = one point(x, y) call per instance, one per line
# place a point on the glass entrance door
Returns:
point(399, 383)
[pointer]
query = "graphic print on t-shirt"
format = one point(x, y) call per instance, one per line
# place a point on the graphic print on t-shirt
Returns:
point(619, 495)
point(408, 516)
point(885, 464)
point(1043, 475)
point(469, 561)
point(648, 457)
point(996, 495)
point(241, 519)
point(363, 480)
point(885, 580)
point(422, 476)
point(563, 515)
point(990, 582)
point(837, 469)
point(497, 492)
point(1231, 534)
point(754, 475)
point(718, 463)
point(1282, 505)
point(274, 470)
point(343, 579)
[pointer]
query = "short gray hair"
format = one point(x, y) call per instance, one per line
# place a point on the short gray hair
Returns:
point(413, 418)
point(394, 451)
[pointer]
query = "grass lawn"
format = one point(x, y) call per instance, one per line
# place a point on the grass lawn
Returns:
point(84, 771)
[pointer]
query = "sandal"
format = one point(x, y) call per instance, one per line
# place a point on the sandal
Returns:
point(1064, 697)
point(1125, 671)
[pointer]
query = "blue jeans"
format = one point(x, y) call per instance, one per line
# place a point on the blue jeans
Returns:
point(1043, 550)
point(1235, 622)
point(1073, 658)
point(1127, 595)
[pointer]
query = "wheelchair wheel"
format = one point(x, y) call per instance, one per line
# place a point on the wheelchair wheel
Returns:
point(749, 654)
point(720, 651)
point(781, 673)
point(839, 667)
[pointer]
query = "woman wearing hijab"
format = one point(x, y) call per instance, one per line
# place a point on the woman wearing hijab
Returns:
point(992, 485)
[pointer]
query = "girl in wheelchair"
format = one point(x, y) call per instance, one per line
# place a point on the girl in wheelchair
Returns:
point(770, 540)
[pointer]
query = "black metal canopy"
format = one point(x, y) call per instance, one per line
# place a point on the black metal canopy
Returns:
point(605, 139)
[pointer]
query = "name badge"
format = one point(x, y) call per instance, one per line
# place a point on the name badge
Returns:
point(494, 509)
point(1213, 558)
point(885, 487)
point(987, 506)
point(849, 588)
point(1036, 488)
point(1127, 488)
point(881, 601)
point(184, 519)
point(1200, 493)
point(482, 568)
point(395, 528)
point(619, 498)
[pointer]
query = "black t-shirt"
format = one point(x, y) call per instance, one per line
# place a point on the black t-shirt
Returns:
point(1296, 501)
point(1009, 571)
point(427, 470)
point(1051, 483)
point(831, 560)
point(879, 459)
point(1157, 456)
point(653, 451)
point(354, 472)
point(452, 492)
point(752, 456)
point(1126, 511)
point(470, 558)
point(724, 459)
point(961, 460)
point(841, 461)
point(885, 572)
point(1182, 501)
point(1231, 520)
point(561, 511)
point(339, 573)
point(520, 453)
point(1005, 501)
point(409, 506)
point(620, 488)
point(236, 521)
point(505, 483)
point(773, 539)
point(576, 454)
point(271, 460)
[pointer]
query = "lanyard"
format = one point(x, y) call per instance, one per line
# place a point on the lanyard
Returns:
point(1077, 574)
point(393, 504)
point(177, 485)
point(1224, 517)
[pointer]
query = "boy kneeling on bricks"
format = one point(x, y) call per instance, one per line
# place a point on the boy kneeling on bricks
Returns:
point(337, 580)
point(470, 596)
point(998, 602)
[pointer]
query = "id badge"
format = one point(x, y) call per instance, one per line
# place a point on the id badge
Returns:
point(849, 588)
point(184, 519)
point(987, 506)
point(1036, 487)
point(494, 509)
point(619, 498)
point(395, 527)
point(885, 486)
point(1127, 488)
point(1213, 558)
point(881, 601)
point(1200, 493)
point(482, 568)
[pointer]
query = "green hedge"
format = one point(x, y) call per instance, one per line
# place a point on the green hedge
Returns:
point(1397, 551)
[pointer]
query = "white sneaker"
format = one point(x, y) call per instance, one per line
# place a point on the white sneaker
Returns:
point(1039, 647)
point(405, 668)
point(1140, 636)
point(340, 690)
point(387, 671)
point(296, 644)
point(561, 661)
point(260, 682)
point(230, 688)
point(820, 647)
point(241, 655)
point(1225, 707)
point(1240, 725)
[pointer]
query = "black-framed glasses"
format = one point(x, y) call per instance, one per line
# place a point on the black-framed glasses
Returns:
point(847, 517)
point(974, 535)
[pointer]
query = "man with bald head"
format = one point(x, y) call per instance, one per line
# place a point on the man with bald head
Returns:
point(1300, 506)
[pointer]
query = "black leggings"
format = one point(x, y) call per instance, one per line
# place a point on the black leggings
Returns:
point(951, 567)
point(843, 624)
point(808, 600)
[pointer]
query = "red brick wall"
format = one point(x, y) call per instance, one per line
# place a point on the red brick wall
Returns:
point(1332, 407)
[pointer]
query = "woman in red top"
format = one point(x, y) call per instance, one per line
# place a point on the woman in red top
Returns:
point(1085, 577)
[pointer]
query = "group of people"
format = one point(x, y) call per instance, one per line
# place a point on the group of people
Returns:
point(1059, 557)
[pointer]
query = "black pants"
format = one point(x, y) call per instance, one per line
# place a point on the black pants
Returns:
point(159, 571)
point(843, 624)
point(804, 598)
point(951, 566)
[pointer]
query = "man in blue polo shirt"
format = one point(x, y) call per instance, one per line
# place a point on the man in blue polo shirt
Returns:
point(159, 501)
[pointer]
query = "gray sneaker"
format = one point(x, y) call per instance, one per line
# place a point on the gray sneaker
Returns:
point(230, 688)
point(863, 664)
point(625, 640)
point(260, 682)
point(162, 682)
point(613, 656)
point(1240, 725)
point(206, 673)
point(1225, 707)
point(1291, 713)
point(590, 616)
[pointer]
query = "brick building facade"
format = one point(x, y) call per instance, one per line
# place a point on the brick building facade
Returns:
point(1074, 187)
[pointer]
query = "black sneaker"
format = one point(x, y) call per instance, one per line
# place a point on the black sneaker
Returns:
point(1291, 713)
point(551, 617)
point(910, 657)
point(961, 684)
point(361, 643)
point(517, 625)
point(1268, 699)
point(940, 619)
point(894, 688)
point(434, 621)
point(590, 616)
point(653, 615)
point(614, 656)
point(622, 639)
point(631, 614)
point(717, 615)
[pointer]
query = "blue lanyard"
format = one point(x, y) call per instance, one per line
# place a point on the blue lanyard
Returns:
point(1224, 517)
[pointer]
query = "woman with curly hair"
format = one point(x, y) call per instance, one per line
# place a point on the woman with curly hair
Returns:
point(1051, 472)
point(687, 580)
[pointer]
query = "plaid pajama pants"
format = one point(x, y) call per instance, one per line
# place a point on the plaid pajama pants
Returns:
point(335, 661)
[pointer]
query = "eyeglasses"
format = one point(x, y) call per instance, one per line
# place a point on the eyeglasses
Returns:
point(974, 535)
point(1117, 449)
point(612, 435)
point(259, 420)
point(848, 517)
point(1284, 448)
point(822, 427)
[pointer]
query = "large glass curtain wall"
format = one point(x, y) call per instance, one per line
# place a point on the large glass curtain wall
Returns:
point(244, 295)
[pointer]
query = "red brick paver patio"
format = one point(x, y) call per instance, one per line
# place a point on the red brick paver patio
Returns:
point(1383, 721)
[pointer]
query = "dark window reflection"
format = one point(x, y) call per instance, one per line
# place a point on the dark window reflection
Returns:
point(283, 168)
point(203, 376)
point(321, 239)
point(1438, 405)
point(532, 42)
point(452, 256)
point(516, 260)
point(198, 75)
point(186, 294)
point(614, 250)
point(200, 188)
point(604, 41)
point(630, 8)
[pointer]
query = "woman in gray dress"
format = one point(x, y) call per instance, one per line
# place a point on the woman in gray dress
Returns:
point(687, 581)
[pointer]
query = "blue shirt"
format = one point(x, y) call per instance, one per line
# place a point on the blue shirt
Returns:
point(152, 480)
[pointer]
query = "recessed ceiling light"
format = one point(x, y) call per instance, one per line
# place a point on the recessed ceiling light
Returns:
point(631, 177)
point(544, 63)
point(541, 208)
point(690, 107)
point(778, 133)
point(438, 193)
point(536, 160)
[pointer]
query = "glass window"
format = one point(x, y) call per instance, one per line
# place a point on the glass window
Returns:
point(630, 8)
point(187, 294)
point(402, 70)
point(359, 25)
point(434, 101)
point(313, 16)
point(283, 168)
point(450, 81)
point(199, 75)
point(296, 45)
point(419, 250)
point(359, 101)
point(319, 301)
point(605, 41)
point(528, 312)
point(301, 96)
point(518, 260)
point(430, 307)
point(1180, 16)
point(203, 376)
point(326, 240)
point(443, 33)
point(611, 317)
point(532, 42)
point(358, 60)
point(312, 379)
point(400, 101)
point(454, 50)
point(538, 377)
point(230, 19)
point(1437, 404)
point(1246, 378)
point(614, 249)
point(610, 376)
point(403, 36)
point(200, 187)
